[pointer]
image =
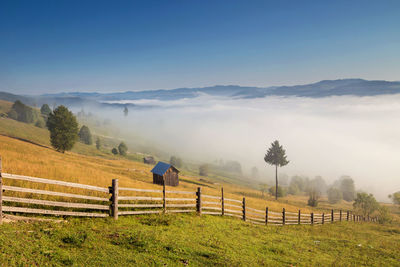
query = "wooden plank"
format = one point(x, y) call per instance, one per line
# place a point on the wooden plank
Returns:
point(276, 213)
point(291, 220)
point(292, 213)
point(53, 212)
point(208, 196)
point(255, 210)
point(181, 192)
point(211, 208)
point(140, 198)
point(139, 190)
point(56, 203)
point(257, 223)
point(274, 221)
point(211, 213)
point(180, 199)
point(140, 205)
point(180, 211)
point(255, 214)
point(233, 206)
point(55, 182)
point(51, 193)
point(212, 203)
point(234, 211)
point(139, 212)
point(233, 200)
point(181, 205)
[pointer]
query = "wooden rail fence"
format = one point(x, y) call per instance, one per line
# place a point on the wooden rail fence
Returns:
point(118, 201)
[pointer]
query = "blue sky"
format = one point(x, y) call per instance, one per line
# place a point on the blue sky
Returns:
point(54, 46)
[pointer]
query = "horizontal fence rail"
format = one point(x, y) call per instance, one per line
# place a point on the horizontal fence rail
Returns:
point(27, 198)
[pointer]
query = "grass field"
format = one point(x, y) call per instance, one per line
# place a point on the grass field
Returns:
point(172, 239)
point(178, 240)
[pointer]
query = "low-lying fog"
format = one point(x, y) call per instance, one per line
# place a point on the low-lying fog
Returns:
point(355, 136)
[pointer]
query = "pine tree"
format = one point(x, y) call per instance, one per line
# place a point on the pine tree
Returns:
point(45, 110)
point(63, 129)
point(85, 135)
point(276, 156)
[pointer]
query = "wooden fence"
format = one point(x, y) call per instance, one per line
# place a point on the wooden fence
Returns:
point(118, 201)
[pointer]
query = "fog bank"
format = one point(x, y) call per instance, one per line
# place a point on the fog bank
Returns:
point(356, 136)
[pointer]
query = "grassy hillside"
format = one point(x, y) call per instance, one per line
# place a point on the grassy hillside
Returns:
point(178, 240)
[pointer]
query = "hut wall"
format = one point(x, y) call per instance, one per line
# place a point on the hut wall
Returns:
point(157, 179)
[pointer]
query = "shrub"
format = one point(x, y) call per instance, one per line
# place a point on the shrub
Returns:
point(313, 199)
point(40, 123)
point(114, 151)
point(384, 215)
point(293, 189)
point(334, 195)
point(365, 203)
point(85, 135)
point(98, 143)
point(21, 112)
point(281, 191)
point(348, 189)
point(63, 129)
point(203, 170)
point(395, 197)
point(122, 149)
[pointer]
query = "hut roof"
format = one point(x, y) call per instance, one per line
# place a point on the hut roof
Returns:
point(161, 168)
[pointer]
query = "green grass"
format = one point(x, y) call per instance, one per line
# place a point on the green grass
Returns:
point(198, 241)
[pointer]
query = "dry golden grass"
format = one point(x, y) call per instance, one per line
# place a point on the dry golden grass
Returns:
point(20, 157)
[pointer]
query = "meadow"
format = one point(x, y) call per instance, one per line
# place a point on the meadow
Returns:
point(172, 239)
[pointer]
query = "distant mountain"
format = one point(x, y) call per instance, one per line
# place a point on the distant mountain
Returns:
point(356, 87)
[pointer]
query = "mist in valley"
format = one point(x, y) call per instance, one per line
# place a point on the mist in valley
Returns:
point(330, 137)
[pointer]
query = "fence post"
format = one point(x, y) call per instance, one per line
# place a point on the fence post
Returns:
point(164, 203)
point(1, 194)
point(222, 201)
point(114, 199)
point(312, 217)
point(340, 217)
point(266, 215)
point(347, 216)
point(283, 216)
point(198, 200)
point(299, 222)
point(244, 209)
point(323, 218)
point(354, 217)
point(332, 216)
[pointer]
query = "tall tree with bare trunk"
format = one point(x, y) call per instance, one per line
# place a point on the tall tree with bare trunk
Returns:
point(276, 156)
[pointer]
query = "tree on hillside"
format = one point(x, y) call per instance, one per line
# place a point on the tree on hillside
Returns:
point(348, 188)
point(98, 143)
point(395, 197)
point(85, 136)
point(40, 123)
point(263, 189)
point(203, 170)
point(22, 112)
point(298, 182)
point(281, 191)
point(63, 129)
point(45, 110)
point(175, 161)
point(122, 149)
point(126, 111)
point(334, 195)
point(276, 156)
point(114, 151)
point(365, 204)
point(319, 184)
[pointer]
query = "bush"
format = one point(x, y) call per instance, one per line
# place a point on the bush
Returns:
point(63, 129)
point(114, 151)
point(13, 115)
point(281, 191)
point(348, 188)
point(365, 204)
point(98, 143)
point(122, 149)
point(384, 215)
point(203, 170)
point(293, 189)
point(334, 195)
point(313, 199)
point(40, 123)
point(85, 135)
point(395, 197)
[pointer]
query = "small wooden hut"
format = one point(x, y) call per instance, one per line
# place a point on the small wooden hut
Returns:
point(164, 172)
point(149, 160)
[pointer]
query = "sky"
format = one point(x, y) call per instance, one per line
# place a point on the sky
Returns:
point(104, 46)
